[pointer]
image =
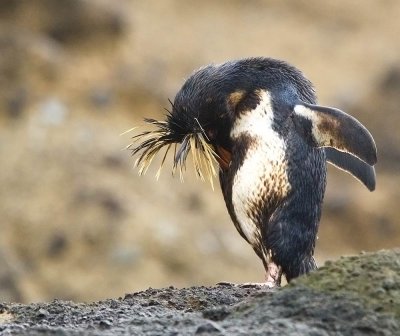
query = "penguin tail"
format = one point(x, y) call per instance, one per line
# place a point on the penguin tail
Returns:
point(305, 266)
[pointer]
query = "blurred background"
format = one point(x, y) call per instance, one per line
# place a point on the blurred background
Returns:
point(78, 223)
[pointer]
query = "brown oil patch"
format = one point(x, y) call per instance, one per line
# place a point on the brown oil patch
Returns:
point(235, 98)
point(330, 130)
point(248, 102)
point(5, 317)
point(224, 157)
point(344, 135)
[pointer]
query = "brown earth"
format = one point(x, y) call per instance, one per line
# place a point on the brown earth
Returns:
point(76, 220)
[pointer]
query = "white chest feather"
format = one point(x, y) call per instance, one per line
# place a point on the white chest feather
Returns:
point(263, 174)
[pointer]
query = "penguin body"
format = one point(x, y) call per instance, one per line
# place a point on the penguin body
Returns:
point(258, 120)
point(274, 190)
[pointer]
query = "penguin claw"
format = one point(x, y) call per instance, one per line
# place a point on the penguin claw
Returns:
point(256, 284)
point(226, 284)
point(272, 284)
point(266, 285)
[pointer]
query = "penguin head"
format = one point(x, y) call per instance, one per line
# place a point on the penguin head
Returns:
point(198, 122)
point(213, 97)
point(200, 108)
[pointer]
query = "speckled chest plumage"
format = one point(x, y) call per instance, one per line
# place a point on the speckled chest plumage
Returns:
point(268, 179)
point(262, 177)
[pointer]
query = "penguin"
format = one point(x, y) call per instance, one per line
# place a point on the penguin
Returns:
point(258, 121)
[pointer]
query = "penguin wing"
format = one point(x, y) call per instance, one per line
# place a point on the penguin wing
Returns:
point(329, 127)
point(348, 144)
point(356, 167)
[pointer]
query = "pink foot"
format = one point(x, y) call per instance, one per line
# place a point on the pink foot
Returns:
point(274, 275)
point(273, 279)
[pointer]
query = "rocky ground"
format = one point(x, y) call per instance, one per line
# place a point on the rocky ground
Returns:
point(75, 74)
point(357, 295)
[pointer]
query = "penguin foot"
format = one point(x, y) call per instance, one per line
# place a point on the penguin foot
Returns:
point(274, 275)
point(226, 284)
point(273, 279)
point(266, 285)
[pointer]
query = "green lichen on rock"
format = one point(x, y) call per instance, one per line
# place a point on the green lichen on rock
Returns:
point(352, 296)
point(373, 278)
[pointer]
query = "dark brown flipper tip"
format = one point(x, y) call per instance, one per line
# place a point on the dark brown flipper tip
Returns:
point(328, 127)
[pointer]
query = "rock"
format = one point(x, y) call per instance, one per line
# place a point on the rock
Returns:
point(353, 296)
point(9, 285)
point(16, 103)
point(208, 328)
point(101, 97)
point(68, 21)
point(383, 96)
point(52, 112)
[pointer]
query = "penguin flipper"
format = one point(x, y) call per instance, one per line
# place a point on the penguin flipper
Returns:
point(356, 167)
point(329, 127)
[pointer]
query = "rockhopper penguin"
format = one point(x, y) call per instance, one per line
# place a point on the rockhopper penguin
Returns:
point(258, 119)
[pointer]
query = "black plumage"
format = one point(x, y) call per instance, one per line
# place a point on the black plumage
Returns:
point(257, 118)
